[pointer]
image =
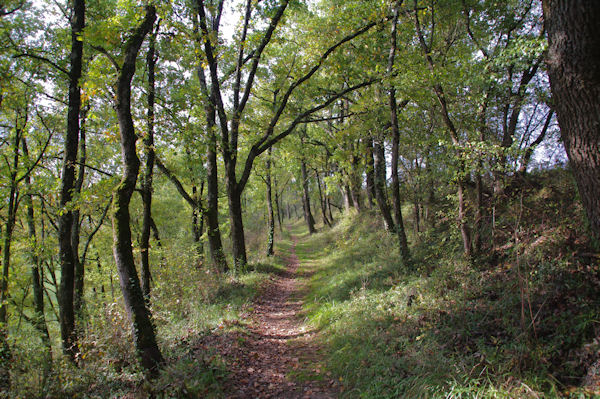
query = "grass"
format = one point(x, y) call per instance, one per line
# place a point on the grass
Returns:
point(190, 304)
point(523, 326)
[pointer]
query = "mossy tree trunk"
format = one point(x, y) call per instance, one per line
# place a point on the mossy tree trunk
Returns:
point(148, 171)
point(141, 323)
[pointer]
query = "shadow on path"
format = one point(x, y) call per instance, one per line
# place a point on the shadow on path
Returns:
point(276, 345)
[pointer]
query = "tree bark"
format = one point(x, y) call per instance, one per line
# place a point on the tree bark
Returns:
point(308, 217)
point(146, 275)
point(270, 213)
point(322, 201)
point(348, 203)
point(198, 226)
point(370, 172)
point(5, 351)
point(574, 70)
point(215, 244)
point(238, 240)
point(141, 323)
point(396, 199)
point(65, 221)
point(277, 204)
point(380, 183)
point(39, 320)
point(75, 232)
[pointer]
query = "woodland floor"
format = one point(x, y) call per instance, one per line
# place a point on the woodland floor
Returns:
point(275, 355)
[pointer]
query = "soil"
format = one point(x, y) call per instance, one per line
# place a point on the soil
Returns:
point(277, 356)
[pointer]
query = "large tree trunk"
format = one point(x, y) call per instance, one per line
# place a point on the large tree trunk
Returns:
point(308, 217)
point(141, 323)
point(148, 173)
point(574, 69)
point(270, 213)
point(215, 244)
point(380, 183)
point(65, 221)
point(238, 241)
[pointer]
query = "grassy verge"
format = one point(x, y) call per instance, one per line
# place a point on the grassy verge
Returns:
point(194, 310)
point(444, 328)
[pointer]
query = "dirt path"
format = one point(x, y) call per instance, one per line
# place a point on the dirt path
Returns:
point(276, 345)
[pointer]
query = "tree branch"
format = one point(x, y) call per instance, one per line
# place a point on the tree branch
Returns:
point(176, 183)
point(44, 59)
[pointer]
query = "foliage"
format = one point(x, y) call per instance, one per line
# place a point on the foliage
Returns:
point(496, 328)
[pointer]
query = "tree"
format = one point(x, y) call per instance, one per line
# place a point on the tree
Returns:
point(65, 222)
point(229, 123)
point(396, 141)
point(573, 62)
point(141, 323)
point(148, 169)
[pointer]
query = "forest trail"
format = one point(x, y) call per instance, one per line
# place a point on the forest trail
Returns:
point(278, 343)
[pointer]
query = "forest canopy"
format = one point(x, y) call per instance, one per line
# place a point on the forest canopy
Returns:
point(160, 157)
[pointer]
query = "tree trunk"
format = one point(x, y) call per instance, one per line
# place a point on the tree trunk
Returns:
point(573, 67)
point(75, 232)
point(462, 219)
point(479, 212)
point(39, 320)
point(439, 92)
point(215, 244)
point(277, 205)
point(308, 217)
point(198, 226)
point(322, 201)
point(141, 323)
point(380, 183)
point(148, 141)
point(396, 200)
point(270, 214)
point(355, 192)
point(5, 351)
point(237, 223)
point(417, 215)
point(370, 172)
point(347, 197)
point(65, 221)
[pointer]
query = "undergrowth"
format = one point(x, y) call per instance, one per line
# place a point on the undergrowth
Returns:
point(518, 325)
point(190, 302)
